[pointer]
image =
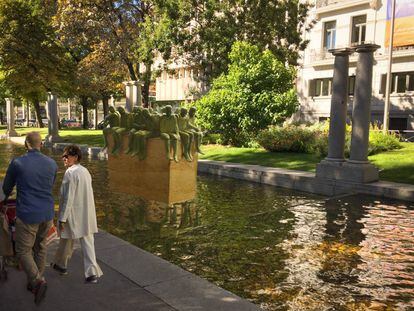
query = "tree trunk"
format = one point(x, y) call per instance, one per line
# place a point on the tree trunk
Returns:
point(84, 103)
point(95, 121)
point(131, 71)
point(145, 89)
point(1, 117)
point(105, 104)
point(36, 105)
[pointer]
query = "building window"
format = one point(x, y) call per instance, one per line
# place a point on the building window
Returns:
point(320, 87)
point(359, 26)
point(351, 85)
point(329, 31)
point(401, 82)
point(398, 124)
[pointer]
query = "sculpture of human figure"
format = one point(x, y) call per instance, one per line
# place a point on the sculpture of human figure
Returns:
point(135, 123)
point(169, 132)
point(112, 120)
point(185, 134)
point(151, 129)
point(123, 127)
point(198, 134)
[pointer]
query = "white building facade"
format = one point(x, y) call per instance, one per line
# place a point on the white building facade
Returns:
point(347, 23)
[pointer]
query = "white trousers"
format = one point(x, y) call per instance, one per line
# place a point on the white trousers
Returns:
point(65, 250)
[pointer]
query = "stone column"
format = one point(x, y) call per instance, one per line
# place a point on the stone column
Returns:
point(332, 164)
point(11, 132)
point(28, 116)
point(24, 111)
point(358, 166)
point(361, 114)
point(53, 118)
point(339, 104)
point(128, 96)
point(69, 112)
point(136, 93)
point(112, 101)
point(95, 117)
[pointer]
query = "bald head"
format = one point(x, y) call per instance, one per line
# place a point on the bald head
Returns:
point(33, 140)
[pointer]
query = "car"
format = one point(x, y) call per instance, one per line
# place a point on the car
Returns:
point(20, 122)
point(71, 123)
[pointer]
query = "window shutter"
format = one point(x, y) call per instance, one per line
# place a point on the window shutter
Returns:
point(383, 84)
point(311, 88)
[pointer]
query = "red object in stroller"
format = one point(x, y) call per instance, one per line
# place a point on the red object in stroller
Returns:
point(7, 234)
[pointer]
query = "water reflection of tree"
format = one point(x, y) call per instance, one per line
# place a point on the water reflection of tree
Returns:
point(301, 289)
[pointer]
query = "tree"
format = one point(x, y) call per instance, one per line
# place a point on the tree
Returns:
point(257, 91)
point(205, 30)
point(133, 31)
point(32, 62)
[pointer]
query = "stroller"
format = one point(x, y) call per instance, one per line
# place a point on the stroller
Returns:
point(7, 234)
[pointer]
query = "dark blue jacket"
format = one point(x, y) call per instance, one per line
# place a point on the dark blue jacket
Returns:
point(34, 175)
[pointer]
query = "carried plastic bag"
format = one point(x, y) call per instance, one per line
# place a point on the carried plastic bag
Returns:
point(52, 235)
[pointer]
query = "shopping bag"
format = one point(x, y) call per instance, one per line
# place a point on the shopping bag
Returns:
point(52, 235)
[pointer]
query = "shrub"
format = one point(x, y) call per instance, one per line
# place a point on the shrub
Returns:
point(380, 142)
point(314, 139)
point(257, 91)
point(211, 138)
point(289, 138)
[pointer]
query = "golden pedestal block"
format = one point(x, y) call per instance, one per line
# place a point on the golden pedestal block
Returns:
point(155, 178)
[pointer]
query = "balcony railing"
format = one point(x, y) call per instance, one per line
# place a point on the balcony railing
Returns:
point(322, 3)
point(321, 54)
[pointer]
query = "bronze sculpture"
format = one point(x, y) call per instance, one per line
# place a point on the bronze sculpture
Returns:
point(169, 132)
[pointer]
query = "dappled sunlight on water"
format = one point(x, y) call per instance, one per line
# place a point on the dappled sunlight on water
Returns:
point(281, 249)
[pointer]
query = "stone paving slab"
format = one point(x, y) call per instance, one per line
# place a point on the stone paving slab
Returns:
point(193, 293)
point(133, 280)
point(140, 266)
point(114, 292)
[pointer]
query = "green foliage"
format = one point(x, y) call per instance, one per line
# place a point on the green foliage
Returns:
point(289, 138)
point(380, 142)
point(32, 61)
point(256, 92)
point(205, 30)
point(314, 139)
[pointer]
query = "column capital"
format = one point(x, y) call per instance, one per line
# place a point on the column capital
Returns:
point(366, 48)
point(341, 51)
point(9, 99)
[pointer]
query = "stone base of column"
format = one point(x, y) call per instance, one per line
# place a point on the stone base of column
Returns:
point(51, 139)
point(354, 172)
point(12, 133)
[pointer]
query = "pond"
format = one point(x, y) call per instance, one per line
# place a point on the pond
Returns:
point(281, 249)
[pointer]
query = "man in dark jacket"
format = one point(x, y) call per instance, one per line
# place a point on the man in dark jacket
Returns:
point(33, 174)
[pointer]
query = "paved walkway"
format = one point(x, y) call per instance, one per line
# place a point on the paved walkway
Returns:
point(133, 280)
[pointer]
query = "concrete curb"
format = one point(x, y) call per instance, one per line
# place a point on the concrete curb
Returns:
point(305, 181)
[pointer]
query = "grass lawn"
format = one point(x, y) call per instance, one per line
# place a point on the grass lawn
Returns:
point(288, 160)
point(76, 136)
point(396, 165)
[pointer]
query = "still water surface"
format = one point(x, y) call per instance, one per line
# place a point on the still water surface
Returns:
point(282, 250)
